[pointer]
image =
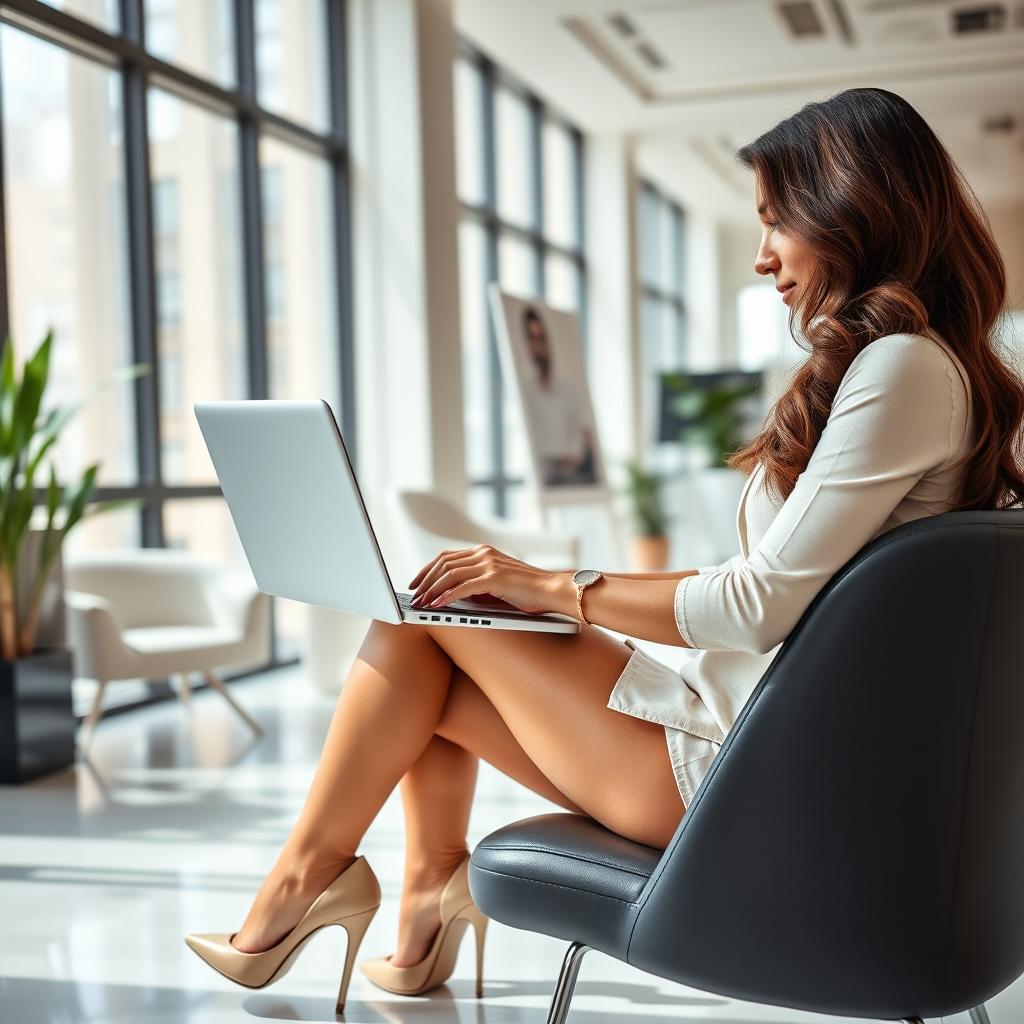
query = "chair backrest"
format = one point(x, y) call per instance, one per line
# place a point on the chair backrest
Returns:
point(148, 586)
point(436, 514)
point(857, 846)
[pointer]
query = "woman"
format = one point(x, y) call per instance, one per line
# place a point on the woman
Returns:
point(903, 409)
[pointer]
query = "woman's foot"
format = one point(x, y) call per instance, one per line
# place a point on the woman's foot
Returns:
point(285, 895)
point(419, 916)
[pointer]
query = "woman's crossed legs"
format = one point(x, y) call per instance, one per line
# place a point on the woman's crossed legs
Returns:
point(420, 705)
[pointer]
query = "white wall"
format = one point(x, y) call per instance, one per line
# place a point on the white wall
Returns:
point(405, 252)
point(1008, 227)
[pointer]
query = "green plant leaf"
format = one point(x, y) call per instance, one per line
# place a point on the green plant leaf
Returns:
point(79, 498)
point(7, 391)
point(33, 383)
point(59, 418)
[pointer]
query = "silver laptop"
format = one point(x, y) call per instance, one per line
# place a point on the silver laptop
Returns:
point(295, 501)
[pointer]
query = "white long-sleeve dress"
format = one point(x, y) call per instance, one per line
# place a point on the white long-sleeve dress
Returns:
point(892, 450)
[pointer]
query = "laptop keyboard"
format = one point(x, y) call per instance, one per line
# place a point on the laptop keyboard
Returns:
point(405, 601)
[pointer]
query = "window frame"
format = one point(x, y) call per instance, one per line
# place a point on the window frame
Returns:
point(124, 51)
point(486, 215)
point(673, 298)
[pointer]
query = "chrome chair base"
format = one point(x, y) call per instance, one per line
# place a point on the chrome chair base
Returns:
point(566, 984)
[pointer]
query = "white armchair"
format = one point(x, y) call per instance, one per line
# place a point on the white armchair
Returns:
point(430, 523)
point(150, 613)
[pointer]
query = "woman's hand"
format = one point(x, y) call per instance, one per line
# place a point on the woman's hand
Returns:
point(484, 571)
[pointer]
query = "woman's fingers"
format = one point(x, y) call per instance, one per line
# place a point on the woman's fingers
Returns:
point(433, 580)
point(433, 567)
point(451, 578)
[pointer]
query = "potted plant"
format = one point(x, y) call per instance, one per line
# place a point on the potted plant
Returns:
point(708, 411)
point(650, 538)
point(709, 414)
point(37, 725)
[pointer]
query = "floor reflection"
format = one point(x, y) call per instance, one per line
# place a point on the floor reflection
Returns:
point(169, 825)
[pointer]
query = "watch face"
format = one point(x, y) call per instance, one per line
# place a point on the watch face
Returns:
point(585, 576)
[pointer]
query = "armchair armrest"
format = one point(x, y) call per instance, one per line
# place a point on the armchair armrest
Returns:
point(94, 635)
point(237, 604)
point(236, 600)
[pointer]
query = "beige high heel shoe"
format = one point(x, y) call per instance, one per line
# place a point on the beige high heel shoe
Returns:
point(458, 911)
point(350, 900)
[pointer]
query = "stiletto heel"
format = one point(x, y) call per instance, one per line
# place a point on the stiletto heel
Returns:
point(356, 927)
point(480, 930)
point(350, 900)
point(458, 912)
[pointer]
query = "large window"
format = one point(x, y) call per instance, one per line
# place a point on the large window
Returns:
point(662, 309)
point(174, 192)
point(520, 182)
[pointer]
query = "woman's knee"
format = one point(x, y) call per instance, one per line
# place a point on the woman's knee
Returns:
point(385, 642)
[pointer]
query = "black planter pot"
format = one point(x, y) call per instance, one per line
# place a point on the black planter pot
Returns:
point(37, 724)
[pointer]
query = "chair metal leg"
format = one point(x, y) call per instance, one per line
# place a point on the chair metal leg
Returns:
point(566, 983)
point(219, 686)
point(184, 687)
point(95, 712)
point(979, 1015)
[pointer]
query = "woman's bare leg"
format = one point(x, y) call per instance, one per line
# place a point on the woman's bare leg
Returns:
point(386, 715)
point(550, 691)
point(437, 796)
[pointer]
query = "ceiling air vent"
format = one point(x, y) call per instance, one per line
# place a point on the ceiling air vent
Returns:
point(650, 56)
point(801, 18)
point(622, 25)
point(981, 18)
point(999, 124)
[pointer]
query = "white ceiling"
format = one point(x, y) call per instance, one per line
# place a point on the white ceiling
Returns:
point(694, 79)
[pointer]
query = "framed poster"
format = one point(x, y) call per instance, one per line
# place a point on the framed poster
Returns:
point(542, 360)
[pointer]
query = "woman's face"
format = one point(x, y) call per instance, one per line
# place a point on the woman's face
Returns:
point(783, 255)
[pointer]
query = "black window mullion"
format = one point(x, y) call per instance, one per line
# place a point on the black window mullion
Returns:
point(492, 271)
point(251, 206)
point(142, 275)
point(337, 43)
point(537, 188)
point(579, 223)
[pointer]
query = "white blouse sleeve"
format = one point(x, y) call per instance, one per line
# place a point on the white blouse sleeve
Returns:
point(892, 421)
point(727, 564)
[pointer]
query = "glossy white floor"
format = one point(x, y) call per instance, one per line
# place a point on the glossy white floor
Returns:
point(168, 829)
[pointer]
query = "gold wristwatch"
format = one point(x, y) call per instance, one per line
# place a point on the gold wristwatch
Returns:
point(582, 579)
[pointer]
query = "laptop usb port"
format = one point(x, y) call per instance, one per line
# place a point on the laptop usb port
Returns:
point(423, 617)
point(435, 618)
point(474, 622)
point(462, 620)
point(485, 622)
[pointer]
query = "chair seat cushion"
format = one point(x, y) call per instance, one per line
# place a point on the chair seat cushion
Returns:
point(563, 875)
point(162, 639)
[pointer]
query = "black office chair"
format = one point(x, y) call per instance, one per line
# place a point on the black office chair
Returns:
point(857, 846)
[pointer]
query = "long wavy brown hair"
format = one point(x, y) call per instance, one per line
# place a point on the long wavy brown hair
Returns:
point(900, 245)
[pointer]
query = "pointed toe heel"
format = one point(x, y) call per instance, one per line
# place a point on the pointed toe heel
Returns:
point(458, 912)
point(351, 901)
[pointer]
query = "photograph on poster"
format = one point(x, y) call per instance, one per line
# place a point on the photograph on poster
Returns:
point(543, 357)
